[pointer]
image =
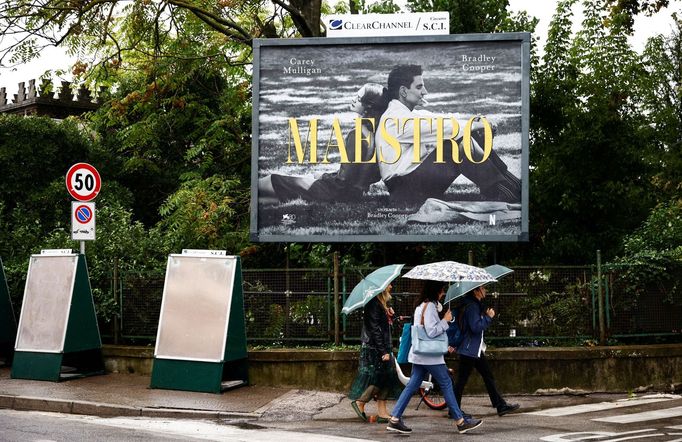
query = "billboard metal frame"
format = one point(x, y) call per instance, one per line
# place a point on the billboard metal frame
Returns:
point(523, 38)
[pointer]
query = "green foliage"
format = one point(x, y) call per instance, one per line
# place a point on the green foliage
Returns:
point(310, 313)
point(466, 16)
point(548, 312)
point(120, 243)
point(361, 7)
point(274, 327)
point(35, 154)
point(582, 118)
point(161, 129)
point(653, 255)
point(660, 95)
point(106, 34)
point(207, 214)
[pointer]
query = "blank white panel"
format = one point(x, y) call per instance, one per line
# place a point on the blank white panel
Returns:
point(195, 308)
point(47, 299)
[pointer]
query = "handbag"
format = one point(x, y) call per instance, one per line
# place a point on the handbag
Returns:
point(423, 344)
point(405, 344)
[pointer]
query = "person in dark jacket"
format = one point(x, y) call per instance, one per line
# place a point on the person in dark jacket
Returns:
point(475, 320)
point(376, 378)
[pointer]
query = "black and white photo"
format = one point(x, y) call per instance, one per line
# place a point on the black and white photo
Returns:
point(391, 139)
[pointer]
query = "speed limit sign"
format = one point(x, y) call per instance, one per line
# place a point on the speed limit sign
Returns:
point(83, 182)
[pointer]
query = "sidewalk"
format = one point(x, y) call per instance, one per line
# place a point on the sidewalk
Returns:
point(129, 395)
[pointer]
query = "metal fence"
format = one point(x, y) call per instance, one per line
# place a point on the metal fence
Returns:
point(535, 305)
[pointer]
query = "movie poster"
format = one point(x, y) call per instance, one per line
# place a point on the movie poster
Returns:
point(391, 139)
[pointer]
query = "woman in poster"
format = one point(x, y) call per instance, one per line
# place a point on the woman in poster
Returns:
point(351, 180)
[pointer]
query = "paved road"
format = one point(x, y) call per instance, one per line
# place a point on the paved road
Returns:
point(595, 418)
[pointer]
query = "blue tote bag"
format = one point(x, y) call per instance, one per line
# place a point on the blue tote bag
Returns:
point(423, 344)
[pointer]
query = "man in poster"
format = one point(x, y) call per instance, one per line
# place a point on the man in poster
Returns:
point(412, 177)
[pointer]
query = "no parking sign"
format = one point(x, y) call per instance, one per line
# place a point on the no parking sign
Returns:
point(82, 221)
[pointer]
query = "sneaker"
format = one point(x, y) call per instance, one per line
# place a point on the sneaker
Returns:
point(507, 408)
point(398, 427)
point(469, 424)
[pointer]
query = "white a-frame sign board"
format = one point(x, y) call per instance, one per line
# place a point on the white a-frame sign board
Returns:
point(201, 340)
point(57, 337)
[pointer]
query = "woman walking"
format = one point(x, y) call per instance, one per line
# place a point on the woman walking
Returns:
point(376, 378)
point(426, 315)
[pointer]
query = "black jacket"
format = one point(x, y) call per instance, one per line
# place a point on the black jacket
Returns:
point(376, 331)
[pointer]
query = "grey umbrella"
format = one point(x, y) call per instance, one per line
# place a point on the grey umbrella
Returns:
point(460, 289)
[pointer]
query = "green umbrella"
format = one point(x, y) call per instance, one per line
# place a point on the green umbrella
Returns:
point(373, 284)
point(462, 288)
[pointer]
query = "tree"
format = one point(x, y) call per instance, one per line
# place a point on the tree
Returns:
point(583, 117)
point(475, 16)
point(95, 27)
point(652, 254)
point(35, 154)
point(660, 97)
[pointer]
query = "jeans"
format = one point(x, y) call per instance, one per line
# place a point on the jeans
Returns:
point(442, 378)
point(466, 366)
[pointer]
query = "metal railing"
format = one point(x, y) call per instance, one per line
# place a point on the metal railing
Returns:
point(535, 306)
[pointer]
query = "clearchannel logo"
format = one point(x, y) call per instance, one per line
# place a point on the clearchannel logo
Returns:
point(335, 25)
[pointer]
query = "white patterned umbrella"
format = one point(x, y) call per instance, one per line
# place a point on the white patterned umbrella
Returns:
point(449, 271)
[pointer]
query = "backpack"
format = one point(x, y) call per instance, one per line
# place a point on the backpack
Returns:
point(456, 330)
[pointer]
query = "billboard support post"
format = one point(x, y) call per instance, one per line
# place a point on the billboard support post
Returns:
point(600, 299)
point(337, 328)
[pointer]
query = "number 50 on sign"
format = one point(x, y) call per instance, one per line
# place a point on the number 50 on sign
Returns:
point(83, 182)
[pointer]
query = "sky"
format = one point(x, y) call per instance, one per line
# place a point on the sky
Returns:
point(54, 58)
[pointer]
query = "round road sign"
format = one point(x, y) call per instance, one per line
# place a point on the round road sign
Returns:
point(83, 182)
point(83, 214)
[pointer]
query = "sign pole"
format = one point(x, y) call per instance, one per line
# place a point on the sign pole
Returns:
point(83, 183)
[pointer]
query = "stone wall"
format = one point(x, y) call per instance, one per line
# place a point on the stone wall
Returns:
point(46, 100)
point(517, 370)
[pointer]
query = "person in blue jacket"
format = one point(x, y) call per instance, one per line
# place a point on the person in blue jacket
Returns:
point(475, 319)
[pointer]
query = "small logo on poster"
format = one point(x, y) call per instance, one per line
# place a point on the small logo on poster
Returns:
point(335, 24)
point(288, 218)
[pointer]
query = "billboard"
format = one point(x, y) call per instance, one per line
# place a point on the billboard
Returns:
point(419, 139)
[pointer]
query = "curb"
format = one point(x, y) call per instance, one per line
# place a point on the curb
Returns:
point(28, 403)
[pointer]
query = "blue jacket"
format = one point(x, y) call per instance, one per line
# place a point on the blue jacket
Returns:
point(475, 321)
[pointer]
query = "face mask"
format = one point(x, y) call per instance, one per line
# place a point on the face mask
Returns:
point(439, 306)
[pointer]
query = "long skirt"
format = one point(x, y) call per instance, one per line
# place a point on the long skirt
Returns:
point(376, 379)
